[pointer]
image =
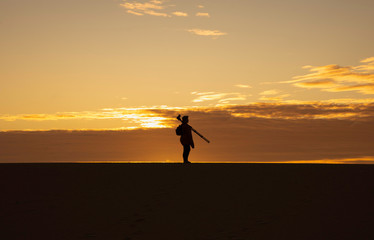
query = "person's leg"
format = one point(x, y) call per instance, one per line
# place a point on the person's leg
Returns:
point(186, 152)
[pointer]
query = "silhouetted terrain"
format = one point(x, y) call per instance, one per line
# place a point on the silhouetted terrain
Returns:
point(176, 201)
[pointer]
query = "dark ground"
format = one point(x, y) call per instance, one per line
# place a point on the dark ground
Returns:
point(175, 201)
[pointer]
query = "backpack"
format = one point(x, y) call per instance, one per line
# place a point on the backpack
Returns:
point(179, 130)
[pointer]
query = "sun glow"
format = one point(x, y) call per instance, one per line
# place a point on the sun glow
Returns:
point(124, 119)
point(146, 120)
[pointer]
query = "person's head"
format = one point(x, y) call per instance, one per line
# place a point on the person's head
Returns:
point(185, 119)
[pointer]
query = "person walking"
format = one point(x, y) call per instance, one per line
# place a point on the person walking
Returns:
point(186, 139)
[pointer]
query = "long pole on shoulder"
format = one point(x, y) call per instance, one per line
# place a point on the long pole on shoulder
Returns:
point(179, 118)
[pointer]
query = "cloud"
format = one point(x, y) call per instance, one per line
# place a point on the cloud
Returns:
point(160, 9)
point(349, 100)
point(242, 86)
point(163, 116)
point(335, 78)
point(368, 66)
point(274, 98)
point(258, 132)
point(180, 14)
point(368, 60)
point(304, 110)
point(135, 13)
point(200, 14)
point(235, 97)
point(362, 88)
point(323, 83)
point(269, 92)
point(143, 6)
point(151, 7)
point(202, 32)
point(157, 14)
point(292, 110)
point(223, 98)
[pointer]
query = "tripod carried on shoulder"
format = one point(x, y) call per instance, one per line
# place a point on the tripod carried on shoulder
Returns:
point(179, 118)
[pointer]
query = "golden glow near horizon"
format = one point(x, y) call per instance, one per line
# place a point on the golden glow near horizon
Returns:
point(361, 160)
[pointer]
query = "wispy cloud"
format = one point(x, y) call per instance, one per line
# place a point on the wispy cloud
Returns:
point(362, 88)
point(180, 14)
point(157, 14)
point(201, 14)
point(143, 6)
point(349, 100)
point(323, 83)
point(159, 8)
point(222, 98)
point(369, 60)
point(151, 7)
point(269, 92)
point(234, 97)
point(242, 86)
point(278, 98)
point(335, 78)
point(205, 32)
point(369, 66)
point(135, 13)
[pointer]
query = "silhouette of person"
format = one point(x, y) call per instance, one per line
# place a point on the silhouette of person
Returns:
point(186, 139)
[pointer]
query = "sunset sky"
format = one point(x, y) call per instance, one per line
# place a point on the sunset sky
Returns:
point(244, 64)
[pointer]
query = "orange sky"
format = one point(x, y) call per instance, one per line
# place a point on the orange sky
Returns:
point(125, 65)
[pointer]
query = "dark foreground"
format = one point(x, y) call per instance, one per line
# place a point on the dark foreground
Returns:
point(175, 201)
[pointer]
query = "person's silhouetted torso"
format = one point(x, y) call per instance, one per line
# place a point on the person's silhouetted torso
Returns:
point(186, 139)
